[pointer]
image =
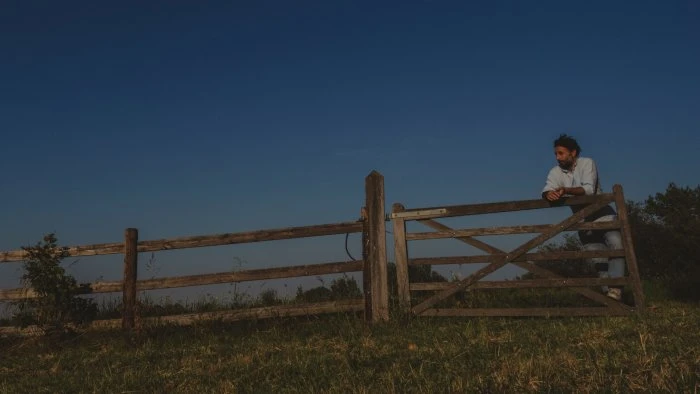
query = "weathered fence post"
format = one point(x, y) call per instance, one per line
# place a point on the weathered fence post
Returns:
point(630, 255)
point(131, 236)
point(376, 245)
point(401, 257)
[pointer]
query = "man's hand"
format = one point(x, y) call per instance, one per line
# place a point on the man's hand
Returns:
point(554, 195)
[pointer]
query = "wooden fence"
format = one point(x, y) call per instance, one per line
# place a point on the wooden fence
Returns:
point(373, 267)
point(520, 256)
point(375, 301)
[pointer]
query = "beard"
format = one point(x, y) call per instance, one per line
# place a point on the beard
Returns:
point(565, 164)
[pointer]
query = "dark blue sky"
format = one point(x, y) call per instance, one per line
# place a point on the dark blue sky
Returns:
point(184, 118)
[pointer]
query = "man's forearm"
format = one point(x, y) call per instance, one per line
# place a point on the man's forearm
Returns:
point(575, 191)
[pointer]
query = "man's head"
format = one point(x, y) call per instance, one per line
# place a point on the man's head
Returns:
point(566, 150)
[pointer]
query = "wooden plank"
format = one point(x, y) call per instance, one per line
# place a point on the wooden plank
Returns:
point(507, 230)
point(508, 206)
point(205, 279)
point(17, 294)
point(539, 256)
point(131, 236)
point(85, 250)
point(204, 240)
point(468, 240)
point(251, 275)
point(249, 237)
point(279, 311)
point(374, 196)
point(523, 312)
point(630, 255)
point(401, 260)
point(538, 240)
point(525, 284)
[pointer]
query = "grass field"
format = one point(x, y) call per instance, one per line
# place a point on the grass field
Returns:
point(659, 352)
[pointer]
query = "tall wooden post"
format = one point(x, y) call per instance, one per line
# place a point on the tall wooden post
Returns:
point(379, 286)
point(630, 255)
point(131, 236)
point(401, 257)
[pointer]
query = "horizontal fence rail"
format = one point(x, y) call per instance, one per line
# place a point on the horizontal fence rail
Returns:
point(540, 256)
point(202, 241)
point(525, 283)
point(204, 279)
point(508, 230)
point(497, 207)
point(523, 312)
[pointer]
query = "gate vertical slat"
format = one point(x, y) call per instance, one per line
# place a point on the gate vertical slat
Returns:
point(630, 255)
point(401, 257)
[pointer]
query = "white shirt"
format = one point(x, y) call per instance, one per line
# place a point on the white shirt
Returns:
point(584, 174)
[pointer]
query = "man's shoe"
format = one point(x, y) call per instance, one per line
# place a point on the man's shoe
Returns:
point(615, 294)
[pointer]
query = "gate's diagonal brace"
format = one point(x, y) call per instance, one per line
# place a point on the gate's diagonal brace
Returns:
point(522, 249)
point(537, 270)
point(469, 240)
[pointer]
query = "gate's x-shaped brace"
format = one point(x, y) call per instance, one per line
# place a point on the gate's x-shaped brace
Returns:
point(516, 253)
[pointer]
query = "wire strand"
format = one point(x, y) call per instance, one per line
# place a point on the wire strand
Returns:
point(347, 250)
point(346, 247)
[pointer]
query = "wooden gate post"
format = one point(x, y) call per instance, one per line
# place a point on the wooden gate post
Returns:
point(401, 260)
point(131, 236)
point(630, 255)
point(376, 247)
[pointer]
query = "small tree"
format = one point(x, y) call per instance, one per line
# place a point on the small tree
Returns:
point(666, 232)
point(56, 303)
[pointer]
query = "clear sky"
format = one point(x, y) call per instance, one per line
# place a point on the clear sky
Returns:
point(191, 118)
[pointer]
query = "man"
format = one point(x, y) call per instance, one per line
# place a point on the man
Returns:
point(578, 176)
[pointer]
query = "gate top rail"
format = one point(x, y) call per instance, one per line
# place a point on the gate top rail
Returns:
point(496, 207)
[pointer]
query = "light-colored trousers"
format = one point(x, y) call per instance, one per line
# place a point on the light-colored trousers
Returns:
point(613, 240)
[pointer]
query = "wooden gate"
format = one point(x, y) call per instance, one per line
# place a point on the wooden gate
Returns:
point(520, 256)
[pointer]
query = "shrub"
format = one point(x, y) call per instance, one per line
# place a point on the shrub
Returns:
point(57, 303)
point(666, 232)
point(269, 297)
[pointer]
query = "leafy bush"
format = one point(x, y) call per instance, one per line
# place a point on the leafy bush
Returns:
point(666, 232)
point(57, 303)
point(316, 294)
point(345, 288)
point(269, 297)
point(342, 288)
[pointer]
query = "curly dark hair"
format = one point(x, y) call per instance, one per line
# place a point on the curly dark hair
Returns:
point(569, 143)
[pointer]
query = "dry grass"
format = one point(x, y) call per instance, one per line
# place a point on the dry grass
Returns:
point(655, 353)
